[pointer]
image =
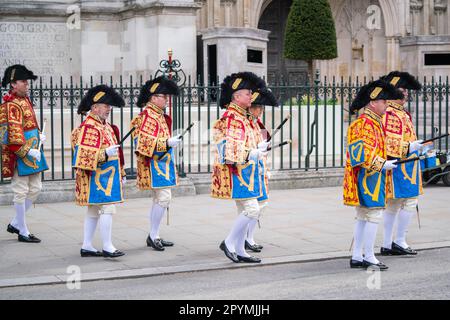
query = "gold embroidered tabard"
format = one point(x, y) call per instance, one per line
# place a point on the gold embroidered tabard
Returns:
point(365, 150)
point(17, 117)
point(399, 130)
point(150, 135)
point(89, 142)
point(400, 133)
point(235, 138)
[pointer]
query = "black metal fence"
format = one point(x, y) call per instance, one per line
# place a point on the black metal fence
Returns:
point(317, 127)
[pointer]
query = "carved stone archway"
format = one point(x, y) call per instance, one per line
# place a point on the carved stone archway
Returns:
point(392, 28)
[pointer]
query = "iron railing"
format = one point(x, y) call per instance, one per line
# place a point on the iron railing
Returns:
point(317, 127)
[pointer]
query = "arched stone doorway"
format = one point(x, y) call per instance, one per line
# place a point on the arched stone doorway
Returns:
point(362, 52)
point(273, 18)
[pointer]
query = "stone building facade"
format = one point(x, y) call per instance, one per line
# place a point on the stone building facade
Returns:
point(212, 38)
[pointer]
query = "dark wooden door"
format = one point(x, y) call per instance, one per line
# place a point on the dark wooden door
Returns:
point(274, 19)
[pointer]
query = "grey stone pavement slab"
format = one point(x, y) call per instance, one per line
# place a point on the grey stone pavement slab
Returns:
point(299, 225)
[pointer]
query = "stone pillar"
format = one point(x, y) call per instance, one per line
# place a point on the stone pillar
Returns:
point(232, 44)
point(210, 13)
point(448, 17)
point(134, 40)
point(228, 4)
point(393, 53)
point(417, 25)
point(440, 16)
point(427, 14)
point(246, 13)
point(408, 16)
point(216, 13)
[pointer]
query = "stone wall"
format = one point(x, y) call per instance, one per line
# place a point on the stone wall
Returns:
point(93, 38)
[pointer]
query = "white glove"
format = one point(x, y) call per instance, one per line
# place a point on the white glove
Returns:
point(389, 165)
point(256, 153)
point(35, 154)
point(124, 180)
point(174, 141)
point(112, 151)
point(263, 145)
point(42, 137)
point(416, 146)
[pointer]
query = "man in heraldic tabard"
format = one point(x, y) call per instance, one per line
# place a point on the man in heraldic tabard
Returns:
point(23, 159)
point(236, 172)
point(98, 160)
point(154, 143)
point(366, 168)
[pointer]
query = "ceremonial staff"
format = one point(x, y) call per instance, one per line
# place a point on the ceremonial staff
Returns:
point(127, 135)
point(279, 127)
point(186, 131)
point(280, 145)
point(409, 160)
point(436, 138)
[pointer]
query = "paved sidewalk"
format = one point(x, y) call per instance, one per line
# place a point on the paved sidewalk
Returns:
point(299, 225)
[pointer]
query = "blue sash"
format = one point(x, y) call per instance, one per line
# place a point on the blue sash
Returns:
point(28, 165)
point(105, 185)
point(405, 178)
point(162, 169)
point(372, 188)
point(247, 183)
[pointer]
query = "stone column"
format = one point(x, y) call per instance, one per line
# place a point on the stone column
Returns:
point(246, 13)
point(440, 11)
point(448, 17)
point(233, 43)
point(228, 4)
point(427, 14)
point(393, 53)
point(408, 16)
point(216, 13)
point(210, 13)
point(148, 31)
point(416, 8)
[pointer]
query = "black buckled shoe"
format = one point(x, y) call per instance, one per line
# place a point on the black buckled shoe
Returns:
point(356, 264)
point(388, 252)
point(250, 259)
point(30, 238)
point(403, 251)
point(89, 253)
point(230, 255)
point(166, 243)
point(12, 229)
point(378, 266)
point(255, 247)
point(114, 254)
point(157, 245)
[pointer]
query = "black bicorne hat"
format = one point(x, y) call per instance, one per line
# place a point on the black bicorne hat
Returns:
point(403, 80)
point(375, 90)
point(238, 81)
point(264, 97)
point(100, 94)
point(17, 72)
point(159, 85)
